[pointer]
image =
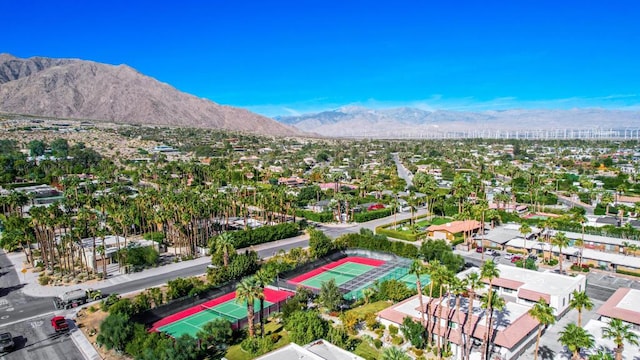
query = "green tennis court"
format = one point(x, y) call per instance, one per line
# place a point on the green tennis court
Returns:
point(229, 310)
point(410, 280)
point(341, 274)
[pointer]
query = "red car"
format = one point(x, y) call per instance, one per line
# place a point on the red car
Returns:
point(515, 258)
point(59, 323)
point(375, 207)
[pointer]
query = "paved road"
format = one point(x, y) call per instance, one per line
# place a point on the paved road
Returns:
point(403, 173)
point(14, 305)
point(36, 340)
point(565, 200)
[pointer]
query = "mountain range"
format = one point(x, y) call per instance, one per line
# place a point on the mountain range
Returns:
point(406, 122)
point(79, 89)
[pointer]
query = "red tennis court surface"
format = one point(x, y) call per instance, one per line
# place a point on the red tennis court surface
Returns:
point(271, 296)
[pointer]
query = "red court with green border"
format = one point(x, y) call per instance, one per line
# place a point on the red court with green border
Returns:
point(191, 321)
point(341, 271)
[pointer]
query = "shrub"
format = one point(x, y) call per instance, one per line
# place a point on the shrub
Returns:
point(44, 279)
point(105, 304)
point(397, 340)
point(156, 236)
point(393, 330)
point(371, 215)
point(377, 343)
point(322, 217)
point(397, 234)
point(626, 272)
point(264, 234)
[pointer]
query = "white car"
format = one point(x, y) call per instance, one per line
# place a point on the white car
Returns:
point(508, 256)
point(492, 252)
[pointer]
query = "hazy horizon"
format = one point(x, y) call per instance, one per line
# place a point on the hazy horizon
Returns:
point(292, 58)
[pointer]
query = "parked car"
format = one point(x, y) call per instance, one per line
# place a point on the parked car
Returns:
point(508, 256)
point(6, 342)
point(492, 252)
point(479, 249)
point(59, 323)
point(515, 258)
point(532, 257)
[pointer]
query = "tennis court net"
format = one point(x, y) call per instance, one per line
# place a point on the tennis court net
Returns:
point(337, 272)
point(220, 314)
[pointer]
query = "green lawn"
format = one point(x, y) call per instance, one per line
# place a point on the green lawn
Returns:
point(360, 311)
point(235, 352)
point(367, 351)
point(434, 221)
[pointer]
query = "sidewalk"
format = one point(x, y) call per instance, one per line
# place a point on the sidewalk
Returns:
point(33, 288)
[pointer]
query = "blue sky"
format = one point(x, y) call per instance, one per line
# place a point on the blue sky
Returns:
point(290, 57)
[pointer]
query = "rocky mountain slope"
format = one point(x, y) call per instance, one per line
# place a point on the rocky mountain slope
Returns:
point(415, 123)
point(69, 88)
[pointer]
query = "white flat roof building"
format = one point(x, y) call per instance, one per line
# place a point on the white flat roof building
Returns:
point(316, 350)
point(624, 304)
point(528, 286)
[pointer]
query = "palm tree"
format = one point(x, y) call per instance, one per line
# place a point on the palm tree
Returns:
point(474, 283)
point(620, 333)
point(432, 269)
point(575, 338)
point(525, 230)
point(264, 278)
point(601, 355)
point(488, 271)
point(491, 302)
point(561, 241)
point(224, 243)
point(580, 300)
point(394, 353)
point(606, 199)
point(248, 290)
point(457, 287)
point(543, 313)
point(444, 279)
point(418, 269)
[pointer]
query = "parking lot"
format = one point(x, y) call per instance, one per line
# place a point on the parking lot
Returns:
point(35, 339)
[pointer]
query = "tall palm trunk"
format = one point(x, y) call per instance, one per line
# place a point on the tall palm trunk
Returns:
point(469, 320)
point(535, 353)
point(422, 309)
point(250, 317)
point(439, 319)
point(488, 331)
point(429, 327)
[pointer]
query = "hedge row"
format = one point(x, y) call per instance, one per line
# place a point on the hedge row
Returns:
point(380, 243)
point(396, 234)
point(264, 234)
point(625, 272)
point(371, 215)
point(314, 216)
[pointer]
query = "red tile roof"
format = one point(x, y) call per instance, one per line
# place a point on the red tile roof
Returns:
point(507, 337)
point(533, 295)
point(505, 283)
point(455, 227)
point(610, 308)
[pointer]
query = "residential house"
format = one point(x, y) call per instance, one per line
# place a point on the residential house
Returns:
point(526, 287)
point(449, 231)
point(316, 350)
point(623, 305)
point(513, 328)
